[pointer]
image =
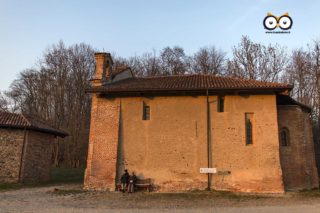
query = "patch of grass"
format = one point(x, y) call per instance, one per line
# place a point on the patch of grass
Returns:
point(64, 192)
point(58, 176)
point(239, 196)
point(67, 175)
point(15, 186)
point(310, 193)
point(10, 186)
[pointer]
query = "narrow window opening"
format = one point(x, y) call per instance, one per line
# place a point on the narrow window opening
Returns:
point(284, 137)
point(220, 104)
point(146, 112)
point(249, 128)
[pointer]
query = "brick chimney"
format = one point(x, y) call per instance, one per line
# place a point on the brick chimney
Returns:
point(103, 68)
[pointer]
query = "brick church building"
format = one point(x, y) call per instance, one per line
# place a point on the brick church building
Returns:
point(252, 134)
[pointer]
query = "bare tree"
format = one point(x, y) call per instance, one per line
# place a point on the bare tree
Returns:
point(134, 63)
point(299, 73)
point(272, 62)
point(209, 60)
point(173, 61)
point(245, 57)
point(256, 61)
point(151, 64)
point(4, 104)
point(315, 52)
point(55, 91)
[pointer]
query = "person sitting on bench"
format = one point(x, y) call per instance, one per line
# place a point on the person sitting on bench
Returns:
point(124, 180)
point(132, 182)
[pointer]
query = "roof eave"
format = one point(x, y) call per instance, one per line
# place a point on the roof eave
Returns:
point(294, 102)
point(105, 91)
point(51, 132)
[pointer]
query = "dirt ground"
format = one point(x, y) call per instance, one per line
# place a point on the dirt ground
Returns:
point(71, 198)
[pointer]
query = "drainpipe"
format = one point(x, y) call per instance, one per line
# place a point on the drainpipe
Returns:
point(209, 139)
point(22, 153)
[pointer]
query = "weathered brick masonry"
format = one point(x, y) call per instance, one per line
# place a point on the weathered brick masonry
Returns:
point(32, 149)
point(103, 144)
point(172, 146)
point(256, 167)
point(298, 158)
point(37, 158)
point(25, 148)
point(11, 143)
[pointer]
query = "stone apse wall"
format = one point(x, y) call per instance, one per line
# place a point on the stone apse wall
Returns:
point(298, 158)
point(171, 147)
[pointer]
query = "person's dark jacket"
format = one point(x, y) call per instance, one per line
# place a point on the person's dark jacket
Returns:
point(134, 179)
point(125, 178)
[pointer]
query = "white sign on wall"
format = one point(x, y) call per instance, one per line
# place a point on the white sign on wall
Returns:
point(208, 170)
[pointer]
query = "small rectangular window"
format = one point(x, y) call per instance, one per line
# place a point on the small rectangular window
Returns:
point(249, 128)
point(146, 112)
point(220, 106)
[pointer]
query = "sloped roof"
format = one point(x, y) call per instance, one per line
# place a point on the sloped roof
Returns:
point(21, 121)
point(119, 69)
point(195, 82)
point(287, 100)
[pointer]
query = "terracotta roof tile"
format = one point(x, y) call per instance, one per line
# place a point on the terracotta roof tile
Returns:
point(189, 83)
point(21, 121)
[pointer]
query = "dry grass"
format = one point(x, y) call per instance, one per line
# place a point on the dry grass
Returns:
point(309, 193)
point(58, 176)
point(63, 192)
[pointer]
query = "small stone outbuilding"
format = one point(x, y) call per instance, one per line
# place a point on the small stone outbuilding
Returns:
point(26, 145)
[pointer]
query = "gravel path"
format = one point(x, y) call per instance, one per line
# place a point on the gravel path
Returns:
point(70, 198)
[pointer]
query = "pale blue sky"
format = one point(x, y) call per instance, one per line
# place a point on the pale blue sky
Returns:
point(28, 27)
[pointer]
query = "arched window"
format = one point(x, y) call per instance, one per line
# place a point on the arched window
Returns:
point(284, 136)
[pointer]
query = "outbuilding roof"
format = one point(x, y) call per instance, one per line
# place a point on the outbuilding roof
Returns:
point(22, 121)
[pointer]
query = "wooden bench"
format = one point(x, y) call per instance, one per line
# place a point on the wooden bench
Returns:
point(144, 184)
point(141, 184)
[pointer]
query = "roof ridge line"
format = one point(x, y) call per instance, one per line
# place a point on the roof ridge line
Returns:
point(216, 76)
